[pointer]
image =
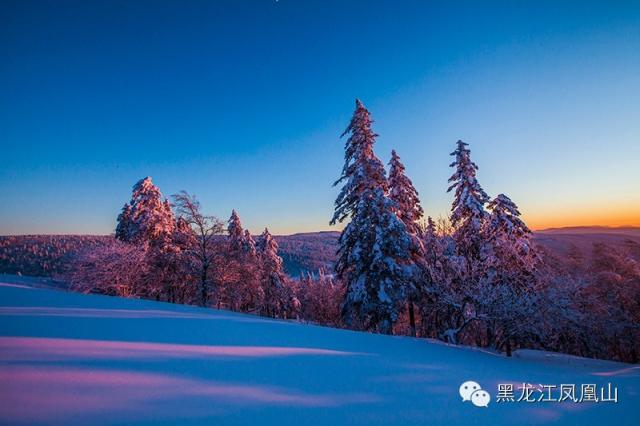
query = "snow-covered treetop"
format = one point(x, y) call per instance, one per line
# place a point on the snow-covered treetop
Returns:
point(267, 244)
point(404, 194)
point(236, 233)
point(145, 189)
point(248, 245)
point(468, 215)
point(431, 226)
point(362, 170)
point(235, 227)
point(268, 249)
point(505, 217)
point(148, 218)
point(469, 197)
point(430, 234)
point(240, 240)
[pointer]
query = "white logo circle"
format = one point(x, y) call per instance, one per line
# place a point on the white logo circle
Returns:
point(467, 388)
point(480, 398)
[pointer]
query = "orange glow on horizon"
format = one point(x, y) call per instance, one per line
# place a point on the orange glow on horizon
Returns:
point(610, 215)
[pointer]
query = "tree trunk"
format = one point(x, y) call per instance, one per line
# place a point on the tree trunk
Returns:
point(490, 335)
point(203, 288)
point(508, 347)
point(412, 318)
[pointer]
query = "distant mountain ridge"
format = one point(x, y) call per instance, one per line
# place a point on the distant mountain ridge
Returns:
point(311, 250)
point(591, 230)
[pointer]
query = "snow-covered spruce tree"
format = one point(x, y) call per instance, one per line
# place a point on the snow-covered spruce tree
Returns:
point(149, 219)
point(236, 233)
point(240, 240)
point(435, 264)
point(375, 260)
point(431, 242)
point(405, 195)
point(375, 249)
point(409, 211)
point(467, 212)
point(277, 296)
point(468, 218)
point(241, 279)
point(510, 283)
point(511, 257)
point(362, 170)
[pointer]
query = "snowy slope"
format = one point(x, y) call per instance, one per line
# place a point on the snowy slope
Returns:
point(67, 358)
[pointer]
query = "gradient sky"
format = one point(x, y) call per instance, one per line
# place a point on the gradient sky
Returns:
point(242, 104)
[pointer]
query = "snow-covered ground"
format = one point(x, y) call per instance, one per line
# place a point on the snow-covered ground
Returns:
point(68, 358)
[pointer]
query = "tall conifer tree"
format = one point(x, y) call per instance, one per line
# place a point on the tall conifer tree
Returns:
point(409, 211)
point(276, 297)
point(467, 212)
point(375, 249)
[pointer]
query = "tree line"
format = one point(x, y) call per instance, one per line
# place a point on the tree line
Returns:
point(474, 278)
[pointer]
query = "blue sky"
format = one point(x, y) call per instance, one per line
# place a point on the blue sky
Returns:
point(242, 104)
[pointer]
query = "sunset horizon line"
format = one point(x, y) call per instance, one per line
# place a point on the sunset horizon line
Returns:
point(338, 230)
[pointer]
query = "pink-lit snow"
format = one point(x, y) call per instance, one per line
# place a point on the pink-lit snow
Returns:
point(68, 358)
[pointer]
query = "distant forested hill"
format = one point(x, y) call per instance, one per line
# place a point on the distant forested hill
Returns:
point(48, 255)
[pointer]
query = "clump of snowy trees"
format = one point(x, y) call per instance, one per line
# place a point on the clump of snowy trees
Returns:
point(376, 248)
point(593, 305)
point(174, 252)
point(320, 297)
point(476, 279)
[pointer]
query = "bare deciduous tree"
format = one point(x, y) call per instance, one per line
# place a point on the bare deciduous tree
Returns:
point(202, 246)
